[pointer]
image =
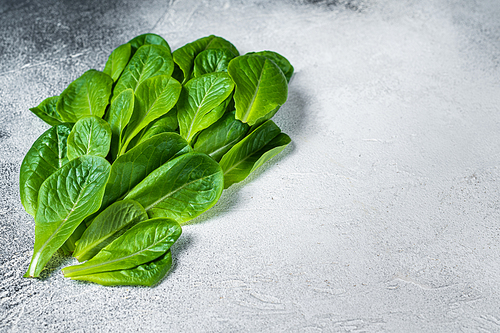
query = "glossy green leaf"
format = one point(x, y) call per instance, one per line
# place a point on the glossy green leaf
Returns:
point(117, 61)
point(247, 155)
point(47, 111)
point(261, 86)
point(217, 139)
point(181, 189)
point(46, 156)
point(132, 167)
point(148, 39)
point(147, 274)
point(108, 226)
point(211, 61)
point(155, 97)
point(65, 199)
point(142, 243)
point(89, 136)
point(147, 62)
point(197, 106)
point(184, 57)
point(282, 62)
point(119, 115)
point(86, 96)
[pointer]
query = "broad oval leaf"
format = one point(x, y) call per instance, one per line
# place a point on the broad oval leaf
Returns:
point(68, 196)
point(119, 115)
point(261, 86)
point(148, 39)
point(108, 226)
point(185, 55)
point(155, 97)
point(47, 111)
point(46, 156)
point(132, 167)
point(117, 61)
point(211, 61)
point(282, 62)
point(250, 153)
point(181, 189)
point(198, 102)
point(89, 136)
point(86, 96)
point(148, 61)
point(142, 243)
point(217, 139)
point(147, 274)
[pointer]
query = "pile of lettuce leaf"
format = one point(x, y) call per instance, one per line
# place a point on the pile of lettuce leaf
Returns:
point(144, 146)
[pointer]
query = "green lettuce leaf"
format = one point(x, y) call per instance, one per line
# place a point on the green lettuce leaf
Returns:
point(47, 111)
point(261, 86)
point(89, 136)
point(117, 61)
point(46, 156)
point(142, 243)
point(212, 61)
point(217, 139)
point(108, 226)
point(184, 56)
point(148, 61)
point(154, 98)
point(147, 274)
point(181, 189)
point(86, 96)
point(198, 103)
point(250, 153)
point(68, 196)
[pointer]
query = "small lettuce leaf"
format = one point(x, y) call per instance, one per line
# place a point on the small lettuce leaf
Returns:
point(108, 226)
point(46, 156)
point(282, 62)
point(217, 139)
point(148, 61)
point(47, 111)
point(198, 104)
point(147, 274)
point(132, 167)
point(65, 199)
point(262, 144)
point(89, 136)
point(155, 97)
point(261, 86)
point(117, 61)
point(86, 96)
point(119, 115)
point(142, 243)
point(148, 39)
point(184, 56)
point(181, 189)
point(211, 61)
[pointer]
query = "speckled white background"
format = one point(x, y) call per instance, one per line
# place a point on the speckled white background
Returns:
point(382, 216)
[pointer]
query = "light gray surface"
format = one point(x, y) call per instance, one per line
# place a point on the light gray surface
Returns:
point(383, 215)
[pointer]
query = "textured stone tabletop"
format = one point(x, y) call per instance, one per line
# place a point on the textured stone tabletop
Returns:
point(383, 215)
